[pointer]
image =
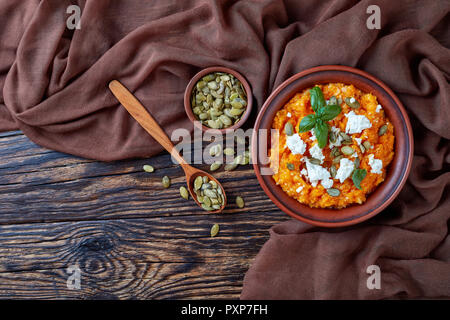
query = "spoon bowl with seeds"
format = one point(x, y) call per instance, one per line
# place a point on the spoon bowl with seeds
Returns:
point(206, 190)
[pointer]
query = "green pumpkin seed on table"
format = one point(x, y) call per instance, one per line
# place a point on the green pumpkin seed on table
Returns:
point(148, 168)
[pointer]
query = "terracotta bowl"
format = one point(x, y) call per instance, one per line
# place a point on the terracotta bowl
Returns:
point(204, 72)
point(397, 171)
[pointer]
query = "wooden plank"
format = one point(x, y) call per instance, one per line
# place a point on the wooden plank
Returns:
point(148, 258)
point(51, 186)
point(130, 237)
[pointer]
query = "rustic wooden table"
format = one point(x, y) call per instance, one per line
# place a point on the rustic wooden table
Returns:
point(130, 237)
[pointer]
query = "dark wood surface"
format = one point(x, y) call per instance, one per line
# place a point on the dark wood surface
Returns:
point(130, 237)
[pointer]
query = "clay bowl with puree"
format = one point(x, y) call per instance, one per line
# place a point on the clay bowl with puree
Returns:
point(340, 146)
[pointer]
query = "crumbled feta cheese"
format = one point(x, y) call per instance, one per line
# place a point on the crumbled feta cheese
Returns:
point(327, 183)
point(289, 115)
point(316, 173)
point(378, 108)
point(375, 164)
point(345, 169)
point(358, 141)
point(316, 152)
point(295, 144)
point(313, 136)
point(356, 123)
point(338, 141)
point(352, 100)
point(299, 189)
point(304, 172)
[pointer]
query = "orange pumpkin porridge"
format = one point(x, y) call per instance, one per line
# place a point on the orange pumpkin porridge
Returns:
point(334, 145)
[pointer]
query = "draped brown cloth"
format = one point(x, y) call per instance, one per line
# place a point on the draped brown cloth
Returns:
point(54, 88)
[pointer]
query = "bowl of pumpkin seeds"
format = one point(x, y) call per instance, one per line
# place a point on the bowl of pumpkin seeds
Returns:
point(218, 98)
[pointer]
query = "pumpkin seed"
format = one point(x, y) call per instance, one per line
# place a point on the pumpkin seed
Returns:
point(363, 149)
point(214, 166)
point(367, 145)
point(339, 101)
point(290, 166)
point(208, 208)
point(383, 130)
point(236, 103)
point(200, 85)
point(333, 192)
point(184, 193)
point(228, 151)
point(212, 124)
point(240, 202)
point(208, 77)
point(207, 201)
point(206, 185)
point(314, 160)
point(347, 142)
point(148, 168)
point(353, 105)
point(214, 230)
point(347, 150)
point(214, 184)
point(335, 152)
point(166, 182)
point(234, 95)
point(236, 112)
point(333, 171)
point(288, 129)
point(198, 183)
point(216, 206)
point(225, 120)
point(245, 160)
point(356, 163)
point(213, 85)
point(345, 136)
point(332, 137)
point(230, 166)
point(210, 193)
point(205, 179)
point(337, 159)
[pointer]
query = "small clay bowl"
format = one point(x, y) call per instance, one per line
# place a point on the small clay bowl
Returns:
point(397, 171)
point(193, 82)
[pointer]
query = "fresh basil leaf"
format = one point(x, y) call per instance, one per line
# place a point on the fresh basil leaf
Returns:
point(307, 123)
point(358, 176)
point(317, 100)
point(321, 132)
point(330, 112)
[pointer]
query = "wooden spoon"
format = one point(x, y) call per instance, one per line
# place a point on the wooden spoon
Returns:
point(140, 114)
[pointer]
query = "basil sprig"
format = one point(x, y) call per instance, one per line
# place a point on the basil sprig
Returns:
point(318, 120)
point(358, 176)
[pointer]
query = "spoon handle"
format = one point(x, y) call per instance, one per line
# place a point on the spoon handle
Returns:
point(140, 114)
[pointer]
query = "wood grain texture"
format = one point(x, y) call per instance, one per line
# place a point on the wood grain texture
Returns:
point(130, 237)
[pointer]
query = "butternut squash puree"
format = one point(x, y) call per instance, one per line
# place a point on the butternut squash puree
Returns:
point(382, 148)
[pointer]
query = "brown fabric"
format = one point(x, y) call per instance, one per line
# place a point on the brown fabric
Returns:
point(54, 83)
